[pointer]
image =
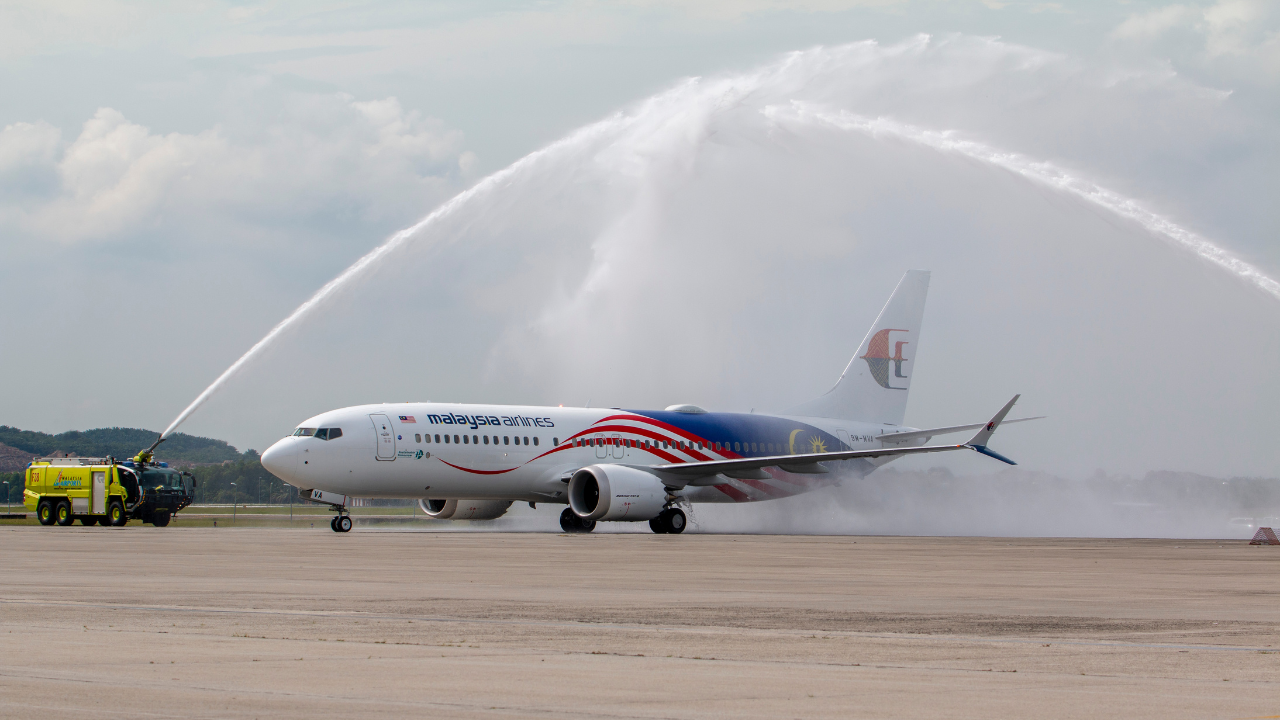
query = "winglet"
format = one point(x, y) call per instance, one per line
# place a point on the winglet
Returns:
point(979, 441)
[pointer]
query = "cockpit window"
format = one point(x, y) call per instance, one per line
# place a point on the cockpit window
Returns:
point(304, 432)
point(335, 433)
point(323, 433)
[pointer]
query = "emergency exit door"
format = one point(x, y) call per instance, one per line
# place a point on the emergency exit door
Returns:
point(385, 435)
point(99, 494)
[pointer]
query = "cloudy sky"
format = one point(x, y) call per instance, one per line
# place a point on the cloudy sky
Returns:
point(726, 194)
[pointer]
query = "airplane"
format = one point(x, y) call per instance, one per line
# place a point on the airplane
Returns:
point(471, 462)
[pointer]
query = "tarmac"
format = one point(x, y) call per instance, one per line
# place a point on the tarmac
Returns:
point(213, 623)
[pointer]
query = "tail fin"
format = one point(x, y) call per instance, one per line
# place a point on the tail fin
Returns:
point(873, 388)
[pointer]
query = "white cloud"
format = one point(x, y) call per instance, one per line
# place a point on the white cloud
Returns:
point(1153, 24)
point(27, 145)
point(1229, 28)
point(118, 177)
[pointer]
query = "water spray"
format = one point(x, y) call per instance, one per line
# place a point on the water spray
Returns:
point(682, 115)
point(1041, 172)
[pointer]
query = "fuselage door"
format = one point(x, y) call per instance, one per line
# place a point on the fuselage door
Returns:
point(386, 436)
point(618, 451)
point(99, 494)
point(844, 437)
point(601, 450)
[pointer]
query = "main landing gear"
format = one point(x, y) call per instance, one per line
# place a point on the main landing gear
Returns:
point(571, 523)
point(341, 522)
point(671, 520)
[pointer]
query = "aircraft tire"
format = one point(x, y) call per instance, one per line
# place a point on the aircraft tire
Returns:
point(333, 524)
point(658, 524)
point(62, 513)
point(568, 521)
point(675, 521)
point(44, 512)
point(343, 524)
point(571, 523)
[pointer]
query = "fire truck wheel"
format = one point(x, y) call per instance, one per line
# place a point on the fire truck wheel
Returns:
point(62, 513)
point(88, 520)
point(44, 512)
point(160, 518)
point(116, 516)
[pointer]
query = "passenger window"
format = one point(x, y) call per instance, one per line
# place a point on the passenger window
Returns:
point(438, 438)
point(555, 441)
point(535, 441)
point(466, 440)
point(475, 439)
point(506, 440)
point(417, 437)
point(486, 439)
point(736, 447)
point(526, 439)
point(446, 438)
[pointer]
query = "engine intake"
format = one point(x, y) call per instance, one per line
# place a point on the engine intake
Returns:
point(615, 492)
point(464, 509)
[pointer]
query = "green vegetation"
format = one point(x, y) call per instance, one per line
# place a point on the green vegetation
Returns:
point(121, 443)
point(253, 484)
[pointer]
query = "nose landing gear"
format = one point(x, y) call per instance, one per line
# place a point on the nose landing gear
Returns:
point(341, 522)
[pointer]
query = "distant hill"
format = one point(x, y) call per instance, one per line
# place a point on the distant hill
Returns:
point(120, 443)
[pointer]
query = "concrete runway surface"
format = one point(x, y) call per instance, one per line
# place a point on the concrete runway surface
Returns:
point(193, 622)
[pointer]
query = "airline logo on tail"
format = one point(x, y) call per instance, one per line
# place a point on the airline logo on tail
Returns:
point(878, 358)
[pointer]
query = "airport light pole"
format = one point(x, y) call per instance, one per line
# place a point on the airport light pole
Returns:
point(8, 501)
point(233, 505)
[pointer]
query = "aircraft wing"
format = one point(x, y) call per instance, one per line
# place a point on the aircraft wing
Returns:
point(897, 437)
point(811, 463)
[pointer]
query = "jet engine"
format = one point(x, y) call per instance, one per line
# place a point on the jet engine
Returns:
point(614, 492)
point(464, 509)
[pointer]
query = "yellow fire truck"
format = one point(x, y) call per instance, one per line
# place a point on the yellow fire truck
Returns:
point(101, 491)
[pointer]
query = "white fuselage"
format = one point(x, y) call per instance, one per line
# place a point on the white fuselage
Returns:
point(448, 451)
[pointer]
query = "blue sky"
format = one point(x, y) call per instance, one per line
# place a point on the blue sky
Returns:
point(178, 176)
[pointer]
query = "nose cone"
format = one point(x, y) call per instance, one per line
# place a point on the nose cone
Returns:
point(281, 459)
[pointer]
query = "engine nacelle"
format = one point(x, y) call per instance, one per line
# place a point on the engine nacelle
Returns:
point(464, 509)
point(614, 492)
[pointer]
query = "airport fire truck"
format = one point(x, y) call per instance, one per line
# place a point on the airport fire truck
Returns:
point(102, 491)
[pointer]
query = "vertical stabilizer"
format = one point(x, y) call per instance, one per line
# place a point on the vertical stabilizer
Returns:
point(873, 388)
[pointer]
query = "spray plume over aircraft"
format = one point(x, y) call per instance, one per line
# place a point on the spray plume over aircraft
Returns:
point(471, 462)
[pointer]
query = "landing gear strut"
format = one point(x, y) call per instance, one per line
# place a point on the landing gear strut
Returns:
point(671, 520)
point(571, 523)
